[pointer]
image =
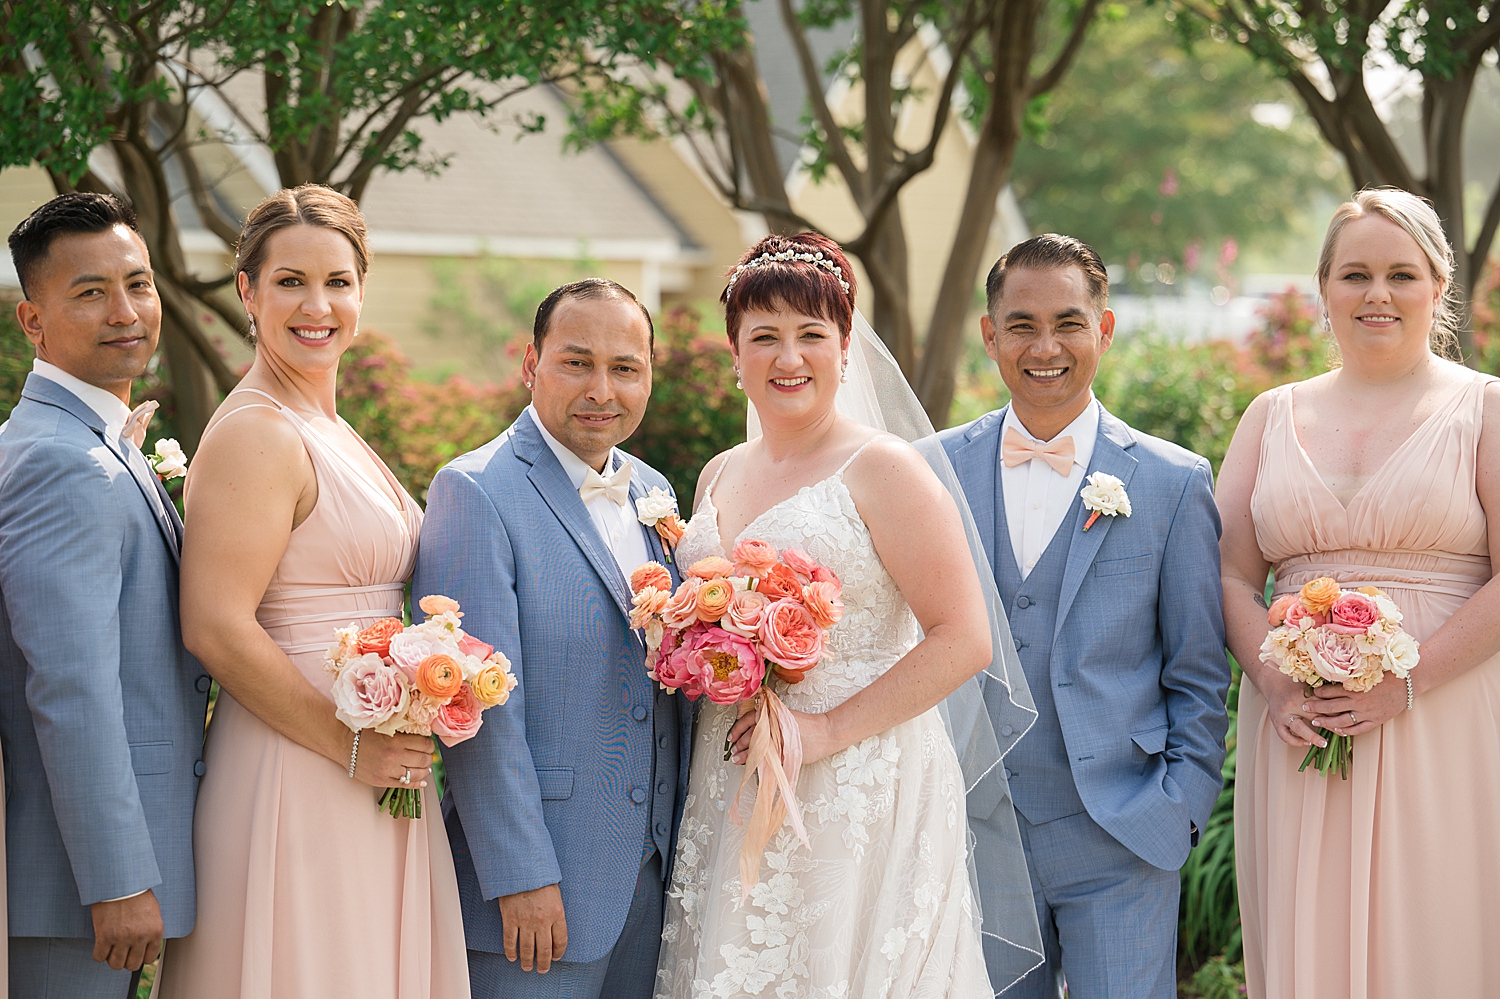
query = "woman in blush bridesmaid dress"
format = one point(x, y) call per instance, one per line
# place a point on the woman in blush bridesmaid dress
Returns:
point(1384, 472)
point(306, 889)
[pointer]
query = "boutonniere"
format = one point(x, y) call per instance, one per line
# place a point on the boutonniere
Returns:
point(168, 459)
point(659, 510)
point(1104, 494)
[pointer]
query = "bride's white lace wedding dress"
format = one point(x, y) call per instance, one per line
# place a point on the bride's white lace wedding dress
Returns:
point(880, 907)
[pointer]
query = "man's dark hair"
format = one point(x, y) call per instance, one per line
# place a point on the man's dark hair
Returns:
point(585, 289)
point(1045, 252)
point(64, 215)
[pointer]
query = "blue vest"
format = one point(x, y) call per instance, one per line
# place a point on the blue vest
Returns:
point(1041, 782)
point(662, 822)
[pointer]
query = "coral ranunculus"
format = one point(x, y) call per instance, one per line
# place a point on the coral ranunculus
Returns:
point(823, 574)
point(436, 603)
point(1319, 594)
point(1353, 613)
point(801, 563)
point(752, 558)
point(647, 603)
point(823, 603)
point(439, 676)
point(780, 583)
point(713, 599)
point(681, 609)
point(707, 568)
point(651, 574)
point(377, 637)
point(725, 666)
point(459, 719)
point(790, 637)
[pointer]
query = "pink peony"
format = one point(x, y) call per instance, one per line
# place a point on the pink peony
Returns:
point(801, 563)
point(681, 609)
point(369, 693)
point(823, 603)
point(1335, 656)
point(1298, 616)
point(726, 666)
point(1277, 614)
point(752, 558)
point(1352, 614)
point(671, 667)
point(471, 646)
point(459, 719)
point(746, 608)
point(790, 639)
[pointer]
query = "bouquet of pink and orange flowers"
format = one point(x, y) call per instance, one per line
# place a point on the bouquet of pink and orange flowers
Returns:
point(1326, 634)
point(424, 679)
point(730, 623)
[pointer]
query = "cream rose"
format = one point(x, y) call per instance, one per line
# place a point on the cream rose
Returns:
point(170, 462)
point(655, 505)
point(1401, 654)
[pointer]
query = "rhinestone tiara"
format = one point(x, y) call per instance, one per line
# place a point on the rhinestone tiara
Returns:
point(787, 256)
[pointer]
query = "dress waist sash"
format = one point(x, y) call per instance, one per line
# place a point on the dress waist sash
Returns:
point(358, 605)
point(1453, 584)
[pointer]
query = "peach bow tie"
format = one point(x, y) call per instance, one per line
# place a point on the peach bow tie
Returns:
point(1057, 452)
point(616, 486)
point(140, 418)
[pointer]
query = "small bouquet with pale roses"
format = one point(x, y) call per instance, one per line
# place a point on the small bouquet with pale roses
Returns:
point(729, 624)
point(424, 679)
point(1326, 634)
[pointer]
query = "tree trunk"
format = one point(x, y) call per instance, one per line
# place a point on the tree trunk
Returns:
point(749, 122)
point(1444, 104)
point(891, 314)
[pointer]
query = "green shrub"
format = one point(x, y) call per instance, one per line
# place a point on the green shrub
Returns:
point(15, 359)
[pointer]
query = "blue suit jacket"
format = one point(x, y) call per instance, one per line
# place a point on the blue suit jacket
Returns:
point(101, 708)
point(1138, 658)
point(547, 791)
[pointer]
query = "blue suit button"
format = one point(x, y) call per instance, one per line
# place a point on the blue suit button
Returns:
point(198, 769)
point(661, 742)
point(203, 684)
point(1018, 644)
point(637, 795)
point(638, 712)
point(1008, 774)
point(661, 829)
point(1006, 730)
point(663, 787)
point(1023, 602)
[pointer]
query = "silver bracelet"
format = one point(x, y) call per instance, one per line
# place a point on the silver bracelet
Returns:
point(1408, 692)
point(354, 753)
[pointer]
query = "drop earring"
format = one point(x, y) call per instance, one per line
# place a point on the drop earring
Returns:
point(1327, 325)
point(253, 333)
point(737, 383)
point(844, 370)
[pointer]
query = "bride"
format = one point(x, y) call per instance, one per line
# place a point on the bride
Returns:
point(881, 905)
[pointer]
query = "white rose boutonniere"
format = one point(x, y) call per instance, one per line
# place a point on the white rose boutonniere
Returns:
point(168, 460)
point(1104, 494)
point(659, 510)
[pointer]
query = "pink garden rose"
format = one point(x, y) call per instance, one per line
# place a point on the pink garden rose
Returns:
point(790, 639)
point(1352, 614)
point(1277, 614)
point(801, 563)
point(681, 609)
point(471, 646)
point(746, 608)
point(459, 719)
point(369, 693)
point(752, 558)
point(408, 649)
point(823, 603)
point(1299, 616)
point(726, 666)
point(1335, 656)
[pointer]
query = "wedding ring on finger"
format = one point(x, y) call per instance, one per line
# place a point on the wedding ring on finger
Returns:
point(406, 777)
point(1353, 720)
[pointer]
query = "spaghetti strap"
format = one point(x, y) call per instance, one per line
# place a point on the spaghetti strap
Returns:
point(857, 452)
point(709, 492)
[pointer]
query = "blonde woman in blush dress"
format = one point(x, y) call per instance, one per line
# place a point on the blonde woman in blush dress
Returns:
point(1384, 472)
point(306, 890)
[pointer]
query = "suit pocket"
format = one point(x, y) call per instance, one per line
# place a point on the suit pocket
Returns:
point(151, 758)
point(556, 783)
point(1121, 566)
point(1151, 741)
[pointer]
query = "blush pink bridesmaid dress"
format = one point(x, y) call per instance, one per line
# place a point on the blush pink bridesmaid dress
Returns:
point(1387, 885)
point(305, 889)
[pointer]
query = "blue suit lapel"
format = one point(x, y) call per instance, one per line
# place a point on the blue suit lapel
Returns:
point(1111, 455)
point(49, 393)
point(976, 464)
point(554, 486)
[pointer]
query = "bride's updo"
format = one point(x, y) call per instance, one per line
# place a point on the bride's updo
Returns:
point(806, 273)
point(1417, 217)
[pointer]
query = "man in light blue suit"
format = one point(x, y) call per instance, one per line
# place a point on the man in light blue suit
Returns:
point(563, 809)
point(1118, 621)
point(101, 709)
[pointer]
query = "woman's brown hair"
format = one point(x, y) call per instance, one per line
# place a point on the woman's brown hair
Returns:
point(310, 204)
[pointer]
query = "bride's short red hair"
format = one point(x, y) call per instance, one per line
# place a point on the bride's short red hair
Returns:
point(809, 288)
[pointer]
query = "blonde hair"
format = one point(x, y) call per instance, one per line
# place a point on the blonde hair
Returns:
point(1418, 220)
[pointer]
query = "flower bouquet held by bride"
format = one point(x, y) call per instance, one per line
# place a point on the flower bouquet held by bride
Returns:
point(728, 624)
point(1326, 634)
point(424, 679)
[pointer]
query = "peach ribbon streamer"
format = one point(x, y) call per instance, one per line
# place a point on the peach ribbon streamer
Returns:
point(775, 757)
point(140, 418)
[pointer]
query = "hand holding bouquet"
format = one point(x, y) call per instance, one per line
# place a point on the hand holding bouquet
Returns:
point(728, 624)
point(426, 679)
point(1326, 634)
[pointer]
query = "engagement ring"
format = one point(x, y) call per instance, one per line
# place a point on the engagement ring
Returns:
point(406, 777)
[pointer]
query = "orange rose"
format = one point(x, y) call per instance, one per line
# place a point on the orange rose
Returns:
point(651, 574)
point(648, 603)
point(436, 603)
point(1319, 594)
point(713, 599)
point(377, 637)
point(823, 603)
point(439, 677)
point(670, 529)
point(780, 582)
point(707, 568)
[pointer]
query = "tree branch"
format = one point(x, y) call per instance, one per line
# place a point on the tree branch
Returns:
point(1486, 238)
point(1064, 61)
point(209, 211)
point(813, 81)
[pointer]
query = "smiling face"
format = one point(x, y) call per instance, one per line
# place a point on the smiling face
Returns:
point(790, 365)
point(591, 381)
point(93, 309)
point(1380, 289)
point(1047, 338)
point(306, 297)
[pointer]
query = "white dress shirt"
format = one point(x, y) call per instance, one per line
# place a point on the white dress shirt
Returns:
point(1037, 499)
point(617, 525)
point(111, 410)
